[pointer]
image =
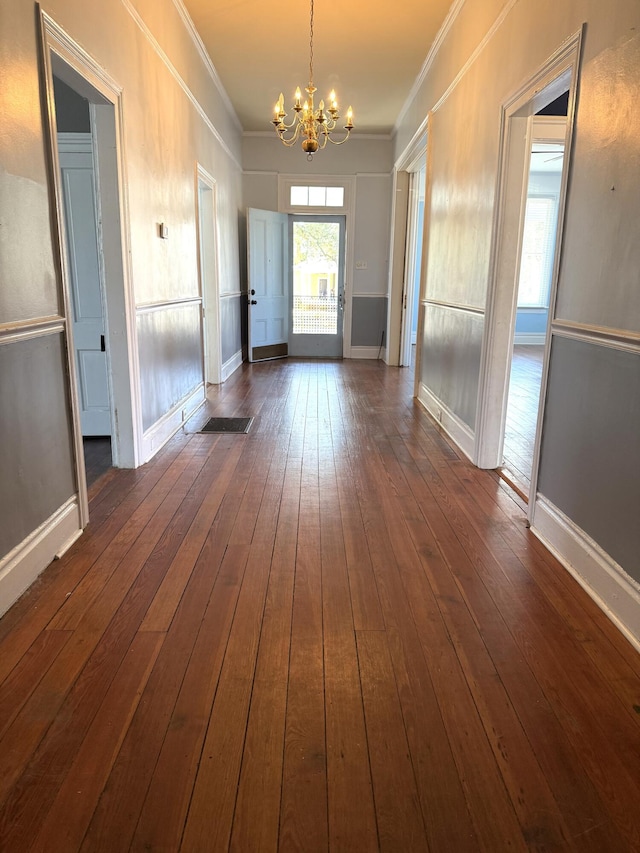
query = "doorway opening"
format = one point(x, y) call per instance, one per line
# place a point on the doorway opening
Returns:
point(208, 269)
point(413, 264)
point(296, 303)
point(84, 113)
point(540, 203)
point(317, 286)
point(76, 143)
point(526, 250)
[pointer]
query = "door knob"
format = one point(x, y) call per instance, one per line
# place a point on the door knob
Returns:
point(253, 293)
point(253, 302)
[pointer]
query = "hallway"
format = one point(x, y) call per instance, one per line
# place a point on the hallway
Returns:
point(330, 633)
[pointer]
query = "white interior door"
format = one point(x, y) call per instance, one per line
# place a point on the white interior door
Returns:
point(268, 259)
point(89, 334)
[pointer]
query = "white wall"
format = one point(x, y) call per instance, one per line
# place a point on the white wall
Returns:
point(491, 49)
point(173, 117)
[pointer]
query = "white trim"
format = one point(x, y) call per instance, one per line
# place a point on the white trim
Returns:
point(286, 181)
point(159, 434)
point(348, 210)
point(370, 295)
point(11, 333)
point(603, 336)
point(233, 294)
point(612, 589)
point(209, 281)
point(441, 35)
point(386, 175)
point(526, 339)
point(476, 53)
point(231, 365)
point(455, 428)
point(22, 565)
point(204, 55)
point(415, 153)
point(179, 80)
point(558, 73)
point(367, 352)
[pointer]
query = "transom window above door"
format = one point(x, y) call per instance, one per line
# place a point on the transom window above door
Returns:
point(317, 194)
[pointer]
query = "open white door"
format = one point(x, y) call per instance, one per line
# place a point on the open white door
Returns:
point(268, 260)
point(89, 334)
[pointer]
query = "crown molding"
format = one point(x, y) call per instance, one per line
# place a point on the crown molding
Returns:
point(204, 55)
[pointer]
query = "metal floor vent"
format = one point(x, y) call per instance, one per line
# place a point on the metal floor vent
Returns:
point(236, 425)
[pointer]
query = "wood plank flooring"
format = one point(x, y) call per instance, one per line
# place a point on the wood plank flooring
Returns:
point(522, 414)
point(332, 633)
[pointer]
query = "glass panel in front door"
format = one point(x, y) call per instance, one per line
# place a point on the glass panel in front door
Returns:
point(316, 257)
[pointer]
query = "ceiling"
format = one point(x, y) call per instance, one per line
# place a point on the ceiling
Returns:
point(369, 52)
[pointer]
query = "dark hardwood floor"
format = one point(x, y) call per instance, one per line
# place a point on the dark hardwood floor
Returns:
point(332, 633)
point(97, 456)
point(522, 415)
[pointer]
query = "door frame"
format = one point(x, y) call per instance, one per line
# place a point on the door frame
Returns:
point(348, 210)
point(61, 56)
point(209, 281)
point(341, 220)
point(412, 263)
point(411, 160)
point(559, 74)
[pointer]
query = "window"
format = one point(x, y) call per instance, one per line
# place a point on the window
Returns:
point(538, 245)
point(315, 196)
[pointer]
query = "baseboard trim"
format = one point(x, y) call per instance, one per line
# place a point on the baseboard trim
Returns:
point(159, 434)
point(450, 422)
point(523, 339)
point(231, 365)
point(26, 561)
point(617, 594)
point(365, 352)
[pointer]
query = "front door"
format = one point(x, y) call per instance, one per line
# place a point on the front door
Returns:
point(78, 187)
point(317, 286)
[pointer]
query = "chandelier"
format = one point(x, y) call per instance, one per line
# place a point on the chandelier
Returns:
point(313, 126)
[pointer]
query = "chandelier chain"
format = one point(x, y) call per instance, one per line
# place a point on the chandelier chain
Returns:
point(311, 44)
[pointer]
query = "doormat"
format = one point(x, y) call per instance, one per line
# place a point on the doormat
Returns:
point(237, 425)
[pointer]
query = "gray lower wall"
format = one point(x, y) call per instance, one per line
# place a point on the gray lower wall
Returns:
point(232, 324)
point(368, 320)
point(171, 359)
point(451, 347)
point(36, 457)
point(590, 454)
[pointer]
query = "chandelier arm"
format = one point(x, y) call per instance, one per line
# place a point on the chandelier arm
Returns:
point(339, 141)
point(283, 123)
point(290, 140)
